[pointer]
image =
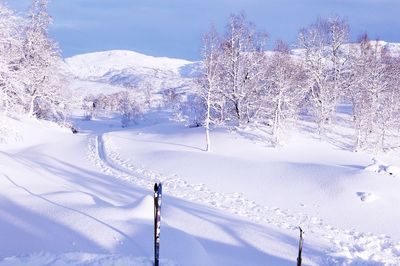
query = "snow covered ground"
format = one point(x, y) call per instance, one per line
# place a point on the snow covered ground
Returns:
point(86, 199)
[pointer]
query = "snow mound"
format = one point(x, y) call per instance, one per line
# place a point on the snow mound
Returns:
point(143, 209)
point(79, 259)
point(381, 167)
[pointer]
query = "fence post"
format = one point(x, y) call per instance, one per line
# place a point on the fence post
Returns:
point(157, 221)
point(300, 247)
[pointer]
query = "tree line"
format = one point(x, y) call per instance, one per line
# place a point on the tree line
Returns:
point(241, 82)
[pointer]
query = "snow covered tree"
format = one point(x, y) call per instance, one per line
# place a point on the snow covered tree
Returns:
point(325, 62)
point(243, 55)
point(338, 56)
point(40, 63)
point(11, 93)
point(285, 89)
point(372, 96)
point(393, 63)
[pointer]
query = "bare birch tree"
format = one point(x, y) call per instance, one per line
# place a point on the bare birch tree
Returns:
point(285, 89)
point(209, 83)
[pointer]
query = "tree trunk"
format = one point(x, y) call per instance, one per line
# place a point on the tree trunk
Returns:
point(207, 125)
point(275, 129)
point(31, 107)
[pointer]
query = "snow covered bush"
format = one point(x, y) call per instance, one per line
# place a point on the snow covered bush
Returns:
point(129, 104)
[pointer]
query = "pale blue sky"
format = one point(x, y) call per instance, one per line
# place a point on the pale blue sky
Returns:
point(173, 27)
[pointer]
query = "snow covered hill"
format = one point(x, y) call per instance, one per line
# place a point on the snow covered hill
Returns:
point(131, 69)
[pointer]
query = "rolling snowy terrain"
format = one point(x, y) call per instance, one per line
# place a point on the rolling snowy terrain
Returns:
point(86, 199)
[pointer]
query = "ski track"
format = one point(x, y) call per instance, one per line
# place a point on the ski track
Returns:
point(348, 246)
